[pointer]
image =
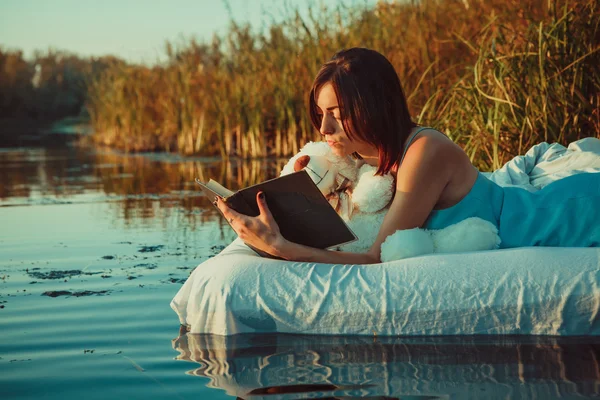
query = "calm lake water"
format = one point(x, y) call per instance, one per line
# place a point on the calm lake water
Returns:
point(93, 246)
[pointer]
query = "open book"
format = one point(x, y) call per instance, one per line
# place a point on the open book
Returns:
point(302, 212)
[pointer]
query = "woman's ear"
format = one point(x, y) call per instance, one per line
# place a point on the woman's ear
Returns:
point(301, 162)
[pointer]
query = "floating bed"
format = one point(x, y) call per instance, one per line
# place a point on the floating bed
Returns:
point(524, 291)
point(531, 291)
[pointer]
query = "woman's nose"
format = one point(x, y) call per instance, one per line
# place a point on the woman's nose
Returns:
point(326, 126)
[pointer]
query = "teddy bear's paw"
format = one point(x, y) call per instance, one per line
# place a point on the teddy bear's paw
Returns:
point(406, 243)
point(471, 234)
point(372, 192)
point(344, 165)
point(310, 149)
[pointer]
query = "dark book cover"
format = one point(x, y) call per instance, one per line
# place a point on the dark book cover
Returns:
point(302, 212)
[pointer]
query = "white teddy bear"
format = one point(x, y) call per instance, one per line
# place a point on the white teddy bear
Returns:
point(471, 234)
point(361, 198)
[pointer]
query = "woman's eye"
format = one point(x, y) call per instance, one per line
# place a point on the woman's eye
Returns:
point(337, 117)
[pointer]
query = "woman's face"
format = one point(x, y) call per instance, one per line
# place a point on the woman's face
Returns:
point(331, 126)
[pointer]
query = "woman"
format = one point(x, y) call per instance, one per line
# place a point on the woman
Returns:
point(358, 105)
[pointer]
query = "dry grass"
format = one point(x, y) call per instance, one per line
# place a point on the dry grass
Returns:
point(497, 76)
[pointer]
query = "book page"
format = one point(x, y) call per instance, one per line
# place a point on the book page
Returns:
point(218, 188)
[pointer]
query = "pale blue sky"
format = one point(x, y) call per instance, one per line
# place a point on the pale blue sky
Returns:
point(133, 29)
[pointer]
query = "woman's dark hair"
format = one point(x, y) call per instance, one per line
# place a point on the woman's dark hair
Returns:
point(372, 103)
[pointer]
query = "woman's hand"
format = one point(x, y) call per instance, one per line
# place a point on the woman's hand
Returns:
point(261, 231)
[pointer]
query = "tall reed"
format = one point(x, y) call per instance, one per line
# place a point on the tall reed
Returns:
point(497, 76)
point(539, 84)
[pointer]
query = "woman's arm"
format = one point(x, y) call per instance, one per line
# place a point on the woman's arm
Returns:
point(263, 233)
point(420, 181)
point(298, 252)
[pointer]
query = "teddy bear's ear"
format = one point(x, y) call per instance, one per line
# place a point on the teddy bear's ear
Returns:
point(301, 162)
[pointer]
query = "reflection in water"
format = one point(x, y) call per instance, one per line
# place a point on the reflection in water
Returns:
point(140, 183)
point(147, 191)
point(287, 366)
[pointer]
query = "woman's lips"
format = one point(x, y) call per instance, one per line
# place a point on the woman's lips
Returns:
point(332, 143)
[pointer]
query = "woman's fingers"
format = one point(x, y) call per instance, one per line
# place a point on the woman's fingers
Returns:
point(261, 226)
point(229, 213)
point(261, 231)
point(261, 201)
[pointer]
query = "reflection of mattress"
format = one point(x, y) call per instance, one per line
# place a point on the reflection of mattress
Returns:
point(290, 367)
point(532, 291)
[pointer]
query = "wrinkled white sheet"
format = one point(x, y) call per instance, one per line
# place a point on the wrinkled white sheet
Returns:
point(542, 291)
point(545, 163)
point(532, 291)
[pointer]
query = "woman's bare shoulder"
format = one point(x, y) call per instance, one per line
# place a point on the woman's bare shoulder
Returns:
point(436, 161)
point(431, 156)
point(431, 146)
point(432, 140)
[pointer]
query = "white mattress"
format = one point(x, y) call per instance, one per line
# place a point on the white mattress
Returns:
point(530, 291)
